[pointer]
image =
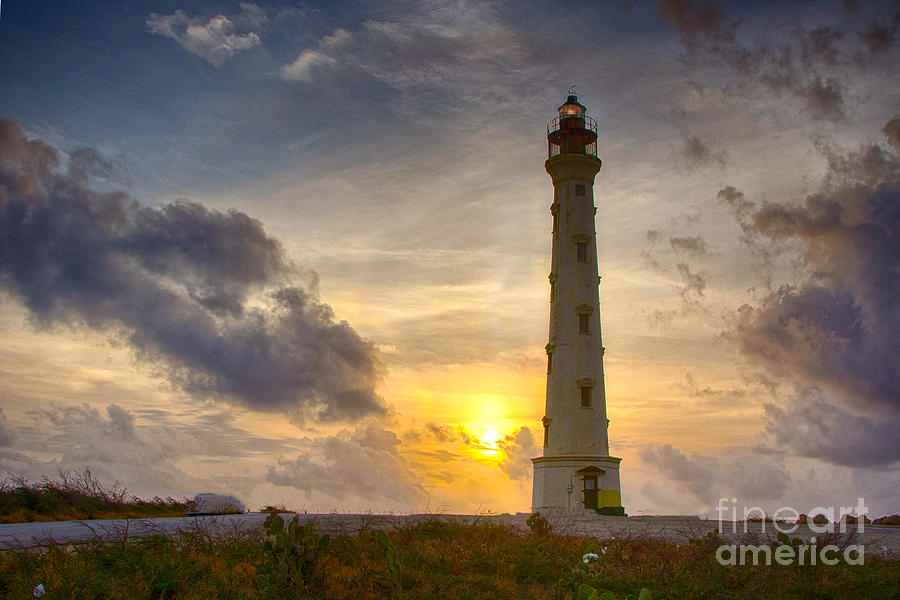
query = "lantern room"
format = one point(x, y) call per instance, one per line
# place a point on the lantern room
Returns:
point(572, 132)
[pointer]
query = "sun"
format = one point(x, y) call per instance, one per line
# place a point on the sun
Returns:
point(490, 438)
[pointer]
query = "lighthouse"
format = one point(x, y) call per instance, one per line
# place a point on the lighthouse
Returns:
point(575, 472)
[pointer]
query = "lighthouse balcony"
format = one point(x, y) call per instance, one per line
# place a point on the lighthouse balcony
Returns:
point(572, 134)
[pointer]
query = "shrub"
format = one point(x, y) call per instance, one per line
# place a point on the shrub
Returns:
point(612, 511)
point(538, 524)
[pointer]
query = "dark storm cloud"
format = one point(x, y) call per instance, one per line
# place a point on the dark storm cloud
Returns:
point(205, 297)
point(835, 334)
point(810, 426)
point(803, 67)
point(839, 329)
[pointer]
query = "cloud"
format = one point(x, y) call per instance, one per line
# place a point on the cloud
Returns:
point(696, 153)
point(425, 51)
point(691, 473)
point(691, 282)
point(518, 449)
point(804, 67)
point(692, 17)
point(109, 444)
point(305, 64)
point(693, 389)
point(878, 37)
point(810, 426)
point(216, 39)
point(693, 245)
point(7, 435)
point(361, 468)
point(150, 452)
point(442, 433)
point(709, 478)
point(88, 163)
point(838, 329)
point(311, 59)
point(735, 199)
point(206, 298)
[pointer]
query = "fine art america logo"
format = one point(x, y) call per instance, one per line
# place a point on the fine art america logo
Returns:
point(788, 551)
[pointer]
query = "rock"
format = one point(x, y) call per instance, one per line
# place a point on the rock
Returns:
point(217, 504)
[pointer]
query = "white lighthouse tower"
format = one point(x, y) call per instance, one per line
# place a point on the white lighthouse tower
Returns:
point(576, 471)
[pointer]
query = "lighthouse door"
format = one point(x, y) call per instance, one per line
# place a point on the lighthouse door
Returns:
point(590, 491)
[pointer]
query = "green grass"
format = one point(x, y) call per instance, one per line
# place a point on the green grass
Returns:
point(435, 558)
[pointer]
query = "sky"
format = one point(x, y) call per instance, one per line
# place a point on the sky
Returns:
point(298, 252)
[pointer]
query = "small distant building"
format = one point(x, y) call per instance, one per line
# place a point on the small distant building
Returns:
point(576, 471)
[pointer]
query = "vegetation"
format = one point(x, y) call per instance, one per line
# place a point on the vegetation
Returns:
point(78, 496)
point(431, 558)
point(466, 559)
point(612, 511)
point(292, 564)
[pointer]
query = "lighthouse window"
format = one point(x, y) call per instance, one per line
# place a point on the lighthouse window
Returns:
point(579, 189)
point(552, 290)
point(549, 361)
point(555, 222)
point(584, 323)
point(585, 397)
point(581, 251)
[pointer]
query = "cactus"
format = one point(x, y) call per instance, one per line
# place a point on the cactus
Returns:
point(292, 557)
point(391, 556)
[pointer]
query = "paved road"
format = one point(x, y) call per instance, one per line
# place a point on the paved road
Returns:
point(884, 541)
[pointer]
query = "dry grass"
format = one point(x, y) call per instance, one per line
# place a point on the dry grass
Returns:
point(435, 558)
point(78, 496)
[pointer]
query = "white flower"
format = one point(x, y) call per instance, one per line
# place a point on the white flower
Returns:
point(603, 551)
point(589, 557)
point(39, 590)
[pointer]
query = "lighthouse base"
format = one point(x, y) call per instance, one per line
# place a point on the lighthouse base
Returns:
point(576, 483)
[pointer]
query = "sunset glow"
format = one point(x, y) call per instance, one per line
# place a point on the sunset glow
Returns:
point(300, 253)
